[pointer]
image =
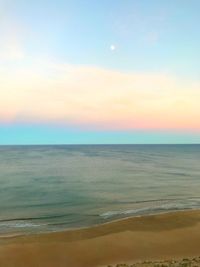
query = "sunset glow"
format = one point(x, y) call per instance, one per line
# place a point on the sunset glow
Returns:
point(53, 73)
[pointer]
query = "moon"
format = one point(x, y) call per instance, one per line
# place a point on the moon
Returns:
point(112, 47)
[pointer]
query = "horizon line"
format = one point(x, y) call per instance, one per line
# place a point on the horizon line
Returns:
point(98, 144)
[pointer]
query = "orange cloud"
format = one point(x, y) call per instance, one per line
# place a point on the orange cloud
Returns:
point(98, 97)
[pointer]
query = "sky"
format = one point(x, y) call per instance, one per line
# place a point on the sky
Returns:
point(84, 72)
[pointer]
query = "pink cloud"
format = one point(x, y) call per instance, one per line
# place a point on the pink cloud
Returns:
point(100, 98)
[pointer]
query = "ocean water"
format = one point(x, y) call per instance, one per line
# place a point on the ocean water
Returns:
point(52, 188)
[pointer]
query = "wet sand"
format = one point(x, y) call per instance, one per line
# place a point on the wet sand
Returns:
point(149, 238)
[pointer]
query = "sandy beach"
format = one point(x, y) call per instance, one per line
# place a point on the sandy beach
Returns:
point(157, 237)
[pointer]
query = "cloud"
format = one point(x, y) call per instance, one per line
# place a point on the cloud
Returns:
point(152, 37)
point(11, 37)
point(97, 98)
point(11, 52)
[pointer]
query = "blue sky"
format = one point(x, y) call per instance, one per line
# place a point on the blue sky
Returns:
point(150, 35)
point(47, 43)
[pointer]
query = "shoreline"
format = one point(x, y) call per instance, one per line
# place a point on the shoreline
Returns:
point(27, 234)
point(169, 235)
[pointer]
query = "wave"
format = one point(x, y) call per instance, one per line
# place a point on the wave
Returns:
point(36, 218)
point(137, 208)
point(157, 200)
point(151, 210)
point(19, 224)
point(29, 222)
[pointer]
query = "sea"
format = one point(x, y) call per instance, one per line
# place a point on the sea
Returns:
point(61, 187)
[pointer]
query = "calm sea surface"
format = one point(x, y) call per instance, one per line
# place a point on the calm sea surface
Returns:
point(51, 188)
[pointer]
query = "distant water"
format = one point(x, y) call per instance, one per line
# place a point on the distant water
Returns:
point(51, 188)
